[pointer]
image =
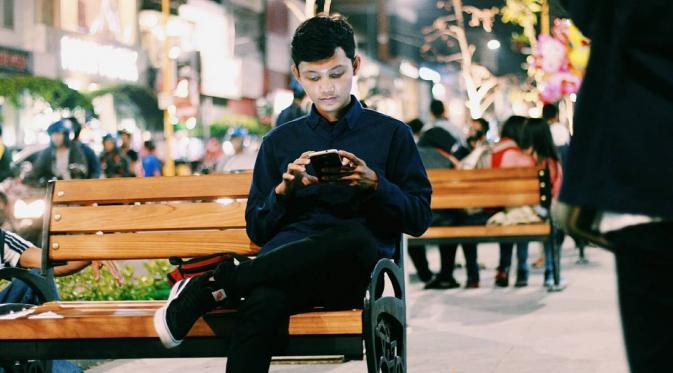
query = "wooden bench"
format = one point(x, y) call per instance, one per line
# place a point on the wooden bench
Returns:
point(491, 188)
point(147, 218)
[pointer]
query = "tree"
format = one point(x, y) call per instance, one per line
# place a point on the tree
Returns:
point(56, 93)
point(443, 35)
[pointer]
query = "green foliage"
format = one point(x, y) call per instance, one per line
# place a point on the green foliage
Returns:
point(219, 129)
point(140, 100)
point(83, 285)
point(56, 93)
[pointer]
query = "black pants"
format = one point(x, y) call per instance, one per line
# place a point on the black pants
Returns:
point(447, 254)
point(329, 269)
point(644, 265)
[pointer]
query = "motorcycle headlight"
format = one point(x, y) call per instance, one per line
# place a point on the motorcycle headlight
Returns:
point(29, 210)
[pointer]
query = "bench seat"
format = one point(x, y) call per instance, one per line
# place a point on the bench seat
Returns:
point(133, 319)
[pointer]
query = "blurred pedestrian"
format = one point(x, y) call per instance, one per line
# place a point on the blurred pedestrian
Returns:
point(507, 153)
point(93, 166)
point(619, 173)
point(61, 159)
point(296, 109)
point(213, 157)
point(126, 149)
point(151, 163)
point(440, 119)
point(5, 159)
point(241, 159)
point(113, 162)
point(537, 141)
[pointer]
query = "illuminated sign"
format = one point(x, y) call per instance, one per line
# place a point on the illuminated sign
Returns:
point(108, 61)
point(14, 61)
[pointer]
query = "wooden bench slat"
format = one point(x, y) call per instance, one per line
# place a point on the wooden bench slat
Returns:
point(121, 321)
point(443, 175)
point(152, 188)
point(154, 245)
point(487, 187)
point(450, 201)
point(168, 216)
point(540, 229)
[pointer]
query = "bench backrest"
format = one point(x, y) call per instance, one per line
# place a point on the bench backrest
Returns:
point(483, 188)
point(145, 218)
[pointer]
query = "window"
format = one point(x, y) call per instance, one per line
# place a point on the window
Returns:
point(109, 20)
point(7, 14)
point(45, 12)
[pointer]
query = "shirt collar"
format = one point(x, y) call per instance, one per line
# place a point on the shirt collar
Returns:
point(351, 117)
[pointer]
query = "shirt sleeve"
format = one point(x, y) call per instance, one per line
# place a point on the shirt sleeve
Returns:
point(265, 210)
point(14, 247)
point(401, 201)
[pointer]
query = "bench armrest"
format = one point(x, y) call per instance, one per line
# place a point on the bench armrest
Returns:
point(384, 320)
point(45, 289)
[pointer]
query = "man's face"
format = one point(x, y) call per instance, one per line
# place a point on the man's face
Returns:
point(57, 138)
point(109, 145)
point(126, 139)
point(328, 82)
point(474, 129)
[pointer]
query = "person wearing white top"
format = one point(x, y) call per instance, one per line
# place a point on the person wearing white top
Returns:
point(439, 119)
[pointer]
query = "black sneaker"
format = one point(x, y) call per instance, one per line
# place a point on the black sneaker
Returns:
point(188, 301)
point(441, 283)
point(502, 279)
point(521, 279)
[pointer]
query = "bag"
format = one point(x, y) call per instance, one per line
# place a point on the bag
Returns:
point(515, 216)
point(195, 266)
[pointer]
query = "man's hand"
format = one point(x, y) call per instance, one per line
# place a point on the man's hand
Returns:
point(296, 177)
point(354, 173)
point(111, 266)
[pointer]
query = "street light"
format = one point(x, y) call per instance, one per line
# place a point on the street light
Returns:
point(493, 44)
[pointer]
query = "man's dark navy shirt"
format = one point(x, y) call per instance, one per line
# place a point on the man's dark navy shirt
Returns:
point(400, 203)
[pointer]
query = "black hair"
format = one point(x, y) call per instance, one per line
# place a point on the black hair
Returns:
point(317, 38)
point(75, 127)
point(416, 125)
point(549, 111)
point(149, 145)
point(536, 134)
point(437, 137)
point(483, 123)
point(512, 128)
point(437, 108)
point(299, 94)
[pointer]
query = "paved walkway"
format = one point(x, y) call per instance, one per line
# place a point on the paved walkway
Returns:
point(488, 329)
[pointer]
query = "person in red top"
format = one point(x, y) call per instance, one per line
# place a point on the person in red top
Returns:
point(536, 140)
point(506, 153)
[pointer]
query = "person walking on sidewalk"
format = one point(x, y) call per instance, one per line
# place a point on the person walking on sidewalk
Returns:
point(620, 162)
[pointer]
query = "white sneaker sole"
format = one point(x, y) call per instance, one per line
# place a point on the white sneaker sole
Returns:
point(160, 325)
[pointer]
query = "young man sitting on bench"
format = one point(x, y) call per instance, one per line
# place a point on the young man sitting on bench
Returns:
point(320, 236)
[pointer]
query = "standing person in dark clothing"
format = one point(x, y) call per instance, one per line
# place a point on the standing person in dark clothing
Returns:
point(112, 161)
point(126, 149)
point(5, 159)
point(320, 238)
point(93, 166)
point(295, 110)
point(620, 163)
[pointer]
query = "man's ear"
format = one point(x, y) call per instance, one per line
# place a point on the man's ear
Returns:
point(357, 61)
point(295, 71)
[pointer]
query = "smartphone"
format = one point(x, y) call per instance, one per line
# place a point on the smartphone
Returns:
point(325, 159)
